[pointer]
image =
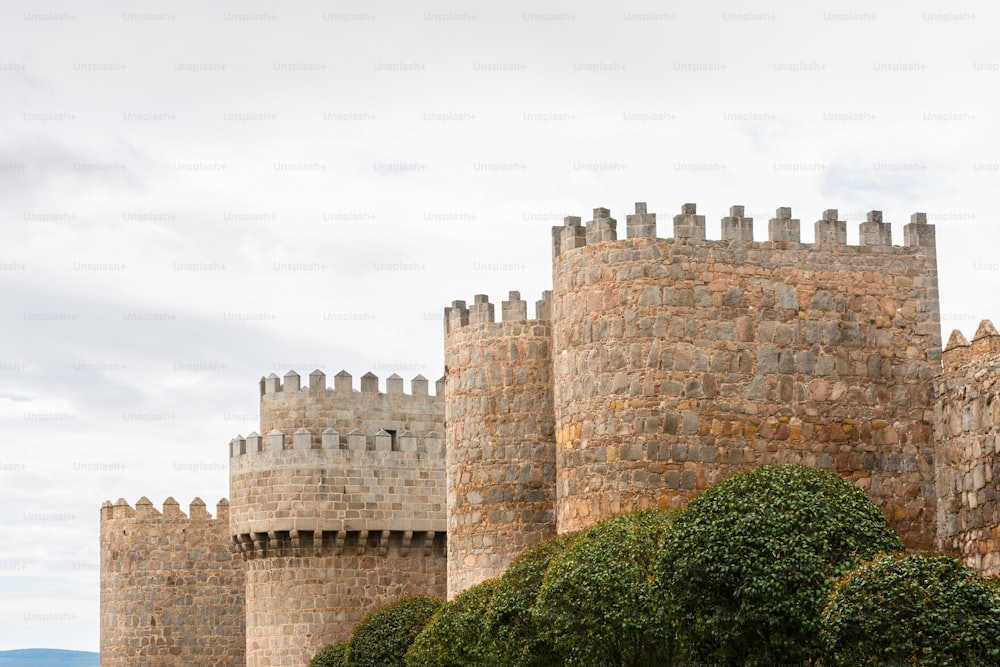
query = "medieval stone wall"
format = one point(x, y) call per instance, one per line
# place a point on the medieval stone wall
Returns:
point(303, 596)
point(172, 592)
point(500, 434)
point(681, 361)
point(967, 418)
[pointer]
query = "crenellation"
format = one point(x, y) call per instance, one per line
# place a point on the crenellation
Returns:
point(302, 439)
point(602, 228)
point(640, 224)
point(481, 311)
point(292, 382)
point(343, 382)
point(369, 383)
point(317, 380)
point(919, 233)
point(514, 309)
point(456, 316)
point(394, 384)
point(418, 386)
point(688, 224)
point(875, 232)
point(783, 227)
point(543, 307)
point(571, 235)
point(275, 440)
point(272, 384)
point(829, 229)
point(382, 441)
point(986, 341)
point(736, 227)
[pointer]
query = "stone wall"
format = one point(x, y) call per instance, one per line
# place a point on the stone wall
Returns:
point(172, 592)
point(287, 405)
point(500, 434)
point(967, 412)
point(282, 483)
point(303, 597)
point(681, 361)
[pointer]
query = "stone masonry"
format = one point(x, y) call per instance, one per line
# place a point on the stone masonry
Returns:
point(967, 420)
point(502, 456)
point(681, 361)
point(172, 592)
point(654, 368)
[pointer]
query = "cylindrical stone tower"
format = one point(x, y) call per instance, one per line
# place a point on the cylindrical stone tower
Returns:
point(681, 361)
point(339, 509)
point(968, 465)
point(500, 434)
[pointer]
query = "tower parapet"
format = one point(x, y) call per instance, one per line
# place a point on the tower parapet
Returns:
point(681, 361)
point(500, 432)
point(172, 593)
point(690, 226)
point(967, 422)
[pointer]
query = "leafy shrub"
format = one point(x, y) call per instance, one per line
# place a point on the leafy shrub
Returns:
point(382, 637)
point(913, 609)
point(748, 564)
point(333, 655)
point(454, 637)
point(511, 633)
point(598, 604)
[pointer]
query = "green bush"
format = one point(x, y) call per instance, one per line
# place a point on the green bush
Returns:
point(511, 634)
point(382, 637)
point(454, 637)
point(913, 609)
point(333, 655)
point(598, 604)
point(748, 564)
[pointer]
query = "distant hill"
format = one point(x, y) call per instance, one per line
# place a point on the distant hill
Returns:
point(49, 657)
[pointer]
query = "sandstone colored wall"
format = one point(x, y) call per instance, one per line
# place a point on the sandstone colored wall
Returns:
point(172, 592)
point(300, 600)
point(681, 361)
point(967, 413)
point(500, 434)
point(287, 405)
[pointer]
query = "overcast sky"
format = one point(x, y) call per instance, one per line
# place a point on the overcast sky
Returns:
point(195, 194)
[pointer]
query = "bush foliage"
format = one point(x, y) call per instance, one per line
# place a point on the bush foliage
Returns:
point(749, 563)
point(511, 633)
point(598, 604)
point(912, 609)
point(454, 637)
point(333, 655)
point(382, 637)
point(776, 565)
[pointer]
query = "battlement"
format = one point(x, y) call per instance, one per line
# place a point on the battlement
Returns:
point(145, 510)
point(343, 384)
point(514, 309)
point(332, 441)
point(689, 226)
point(959, 352)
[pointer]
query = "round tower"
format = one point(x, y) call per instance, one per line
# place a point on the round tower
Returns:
point(967, 422)
point(500, 434)
point(680, 361)
point(338, 509)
